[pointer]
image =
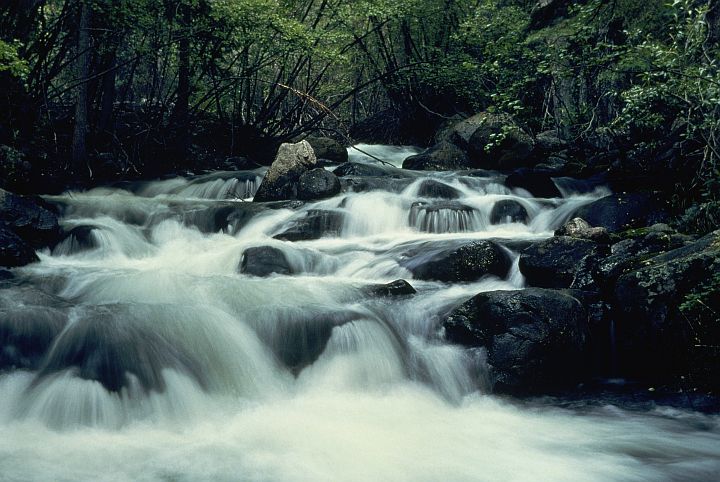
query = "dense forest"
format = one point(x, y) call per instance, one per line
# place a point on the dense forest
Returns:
point(133, 87)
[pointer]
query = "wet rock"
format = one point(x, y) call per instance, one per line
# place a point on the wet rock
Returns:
point(478, 132)
point(282, 178)
point(436, 189)
point(14, 251)
point(623, 211)
point(466, 263)
point(654, 338)
point(444, 156)
point(315, 224)
point(581, 229)
point(549, 141)
point(327, 148)
point(264, 261)
point(26, 333)
point(366, 184)
point(362, 169)
point(537, 182)
point(79, 238)
point(239, 163)
point(398, 287)
point(442, 217)
point(508, 211)
point(109, 344)
point(560, 262)
point(534, 338)
point(30, 218)
point(317, 184)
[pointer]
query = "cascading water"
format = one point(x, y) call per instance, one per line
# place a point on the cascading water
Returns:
point(141, 352)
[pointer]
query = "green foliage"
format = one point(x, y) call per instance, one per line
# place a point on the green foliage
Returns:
point(10, 60)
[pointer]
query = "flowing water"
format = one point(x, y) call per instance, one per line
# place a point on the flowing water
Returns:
point(143, 353)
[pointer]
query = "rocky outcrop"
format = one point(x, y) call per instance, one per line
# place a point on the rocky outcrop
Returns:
point(315, 224)
point(444, 156)
point(467, 263)
point(281, 181)
point(581, 229)
point(494, 141)
point(618, 212)
point(534, 338)
point(13, 250)
point(560, 262)
point(264, 261)
point(537, 182)
point(317, 184)
point(653, 336)
point(508, 211)
point(328, 149)
point(29, 217)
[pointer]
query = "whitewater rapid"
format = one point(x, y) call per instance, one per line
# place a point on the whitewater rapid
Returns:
point(164, 362)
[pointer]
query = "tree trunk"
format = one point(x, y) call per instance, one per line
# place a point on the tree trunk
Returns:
point(181, 110)
point(79, 149)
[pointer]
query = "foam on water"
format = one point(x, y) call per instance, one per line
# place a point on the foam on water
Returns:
point(171, 365)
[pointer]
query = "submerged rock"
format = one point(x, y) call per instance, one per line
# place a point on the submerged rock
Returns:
point(508, 211)
point(76, 240)
point(26, 334)
point(315, 224)
point(281, 180)
point(560, 262)
point(264, 261)
point(361, 169)
point(317, 184)
point(534, 338)
point(466, 263)
point(442, 217)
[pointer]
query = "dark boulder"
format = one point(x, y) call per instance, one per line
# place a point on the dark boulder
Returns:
point(398, 287)
point(317, 184)
point(239, 163)
point(623, 211)
point(654, 338)
point(581, 229)
point(508, 211)
point(494, 141)
point(534, 338)
point(466, 263)
point(442, 217)
point(444, 156)
point(29, 217)
point(560, 262)
point(363, 169)
point(368, 183)
point(264, 261)
point(315, 224)
point(280, 182)
point(329, 149)
point(438, 190)
point(537, 182)
point(14, 251)
point(549, 141)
